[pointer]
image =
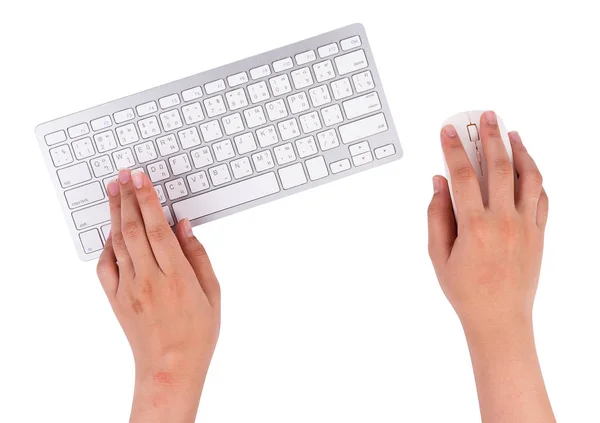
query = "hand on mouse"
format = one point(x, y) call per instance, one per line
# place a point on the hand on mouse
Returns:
point(487, 260)
point(166, 297)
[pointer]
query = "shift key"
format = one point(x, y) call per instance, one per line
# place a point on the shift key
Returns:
point(91, 216)
point(363, 128)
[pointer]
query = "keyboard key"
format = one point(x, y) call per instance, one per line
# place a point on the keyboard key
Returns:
point(260, 72)
point(145, 152)
point(288, 129)
point(192, 113)
point(78, 130)
point(168, 216)
point(215, 86)
point(263, 161)
point(202, 157)
point(363, 81)
point(192, 94)
point(350, 43)
point(55, 137)
point(91, 241)
point(276, 110)
point(61, 155)
point(211, 131)
point(351, 62)
point(176, 189)
point(332, 115)
point(284, 154)
point(361, 147)
point(215, 106)
point(306, 147)
point(340, 166)
point(324, 71)
point(123, 159)
point(298, 103)
point(91, 216)
point(363, 128)
point(280, 85)
point(180, 164)
point(245, 143)
point(292, 176)
point(167, 145)
point(227, 197)
point(101, 123)
point(319, 95)
point(283, 64)
point(328, 140)
point(255, 117)
point(223, 150)
point(189, 138)
point(160, 193)
point(171, 120)
point(84, 195)
point(385, 151)
point(310, 122)
point(158, 171)
point(341, 88)
point(233, 124)
point(123, 116)
point(127, 134)
point(83, 148)
point(302, 78)
point(149, 127)
point(317, 169)
point(146, 108)
point(236, 99)
point(258, 92)
point(169, 101)
point(362, 159)
point(328, 50)
point(267, 136)
point(362, 105)
point(198, 181)
point(237, 79)
point(241, 168)
point(105, 141)
point(74, 175)
point(306, 57)
point(219, 175)
point(101, 166)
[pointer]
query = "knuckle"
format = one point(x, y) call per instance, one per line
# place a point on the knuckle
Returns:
point(435, 210)
point(463, 173)
point(534, 176)
point(156, 233)
point(503, 166)
point(118, 241)
point(132, 229)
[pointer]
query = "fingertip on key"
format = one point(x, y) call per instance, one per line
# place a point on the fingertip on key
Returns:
point(124, 176)
point(138, 179)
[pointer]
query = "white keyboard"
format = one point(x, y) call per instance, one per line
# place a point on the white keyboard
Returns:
point(227, 139)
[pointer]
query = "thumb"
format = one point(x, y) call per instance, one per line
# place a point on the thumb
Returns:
point(442, 227)
point(196, 254)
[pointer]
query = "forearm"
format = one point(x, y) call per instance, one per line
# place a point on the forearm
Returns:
point(508, 375)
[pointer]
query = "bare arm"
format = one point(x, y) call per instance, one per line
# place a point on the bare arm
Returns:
point(487, 259)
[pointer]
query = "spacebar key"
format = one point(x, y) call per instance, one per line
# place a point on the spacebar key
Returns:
point(227, 197)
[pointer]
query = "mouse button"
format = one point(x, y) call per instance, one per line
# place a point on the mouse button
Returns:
point(473, 132)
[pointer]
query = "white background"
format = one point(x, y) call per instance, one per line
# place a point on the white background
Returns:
point(331, 308)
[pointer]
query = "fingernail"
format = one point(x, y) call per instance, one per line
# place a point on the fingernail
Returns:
point(514, 136)
point(124, 176)
point(490, 117)
point(187, 228)
point(436, 185)
point(450, 131)
point(113, 188)
point(138, 179)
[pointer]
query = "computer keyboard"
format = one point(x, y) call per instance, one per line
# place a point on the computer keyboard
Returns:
point(229, 138)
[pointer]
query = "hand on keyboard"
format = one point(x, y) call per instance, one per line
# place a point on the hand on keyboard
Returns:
point(166, 297)
point(488, 265)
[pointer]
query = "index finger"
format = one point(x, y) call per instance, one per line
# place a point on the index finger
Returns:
point(163, 241)
point(465, 186)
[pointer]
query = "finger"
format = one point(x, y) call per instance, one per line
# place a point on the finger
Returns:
point(107, 269)
point(132, 225)
point(118, 243)
point(465, 186)
point(196, 254)
point(542, 211)
point(163, 242)
point(442, 227)
point(529, 183)
point(501, 182)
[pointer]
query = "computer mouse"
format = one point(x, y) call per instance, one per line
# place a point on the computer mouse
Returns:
point(467, 127)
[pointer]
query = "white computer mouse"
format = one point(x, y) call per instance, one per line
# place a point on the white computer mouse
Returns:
point(467, 126)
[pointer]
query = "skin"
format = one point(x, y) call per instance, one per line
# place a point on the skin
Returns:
point(487, 259)
point(166, 296)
